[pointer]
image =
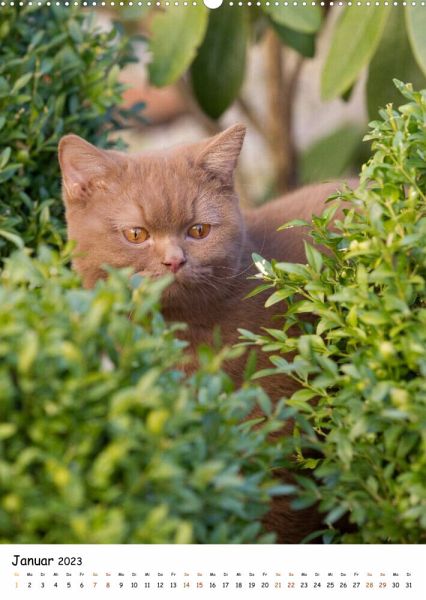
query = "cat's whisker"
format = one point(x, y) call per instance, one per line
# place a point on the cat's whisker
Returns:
point(207, 281)
point(235, 275)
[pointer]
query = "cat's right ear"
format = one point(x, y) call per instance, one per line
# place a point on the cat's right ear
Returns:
point(84, 167)
point(220, 154)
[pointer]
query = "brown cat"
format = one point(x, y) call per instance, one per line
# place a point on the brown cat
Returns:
point(177, 211)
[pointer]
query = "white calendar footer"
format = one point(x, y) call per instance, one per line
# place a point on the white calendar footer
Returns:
point(311, 572)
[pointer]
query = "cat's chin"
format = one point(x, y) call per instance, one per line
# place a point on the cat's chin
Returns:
point(187, 289)
point(176, 297)
point(184, 278)
point(184, 293)
point(179, 279)
point(180, 287)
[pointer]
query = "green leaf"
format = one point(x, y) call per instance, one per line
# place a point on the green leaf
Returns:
point(278, 296)
point(393, 58)
point(175, 37)
point(8, 172)
point(415, 17)
point(218, 70)
point(346, 96)
point(75, 32)
point(4, 86)
point(293, 223)
point(264, 403)
point(4, 157)
point(303, 43)
point(292, 268)
point(36, 40)
point(303, 395)
point(281, 363)
point(21, 82)
point(258, 290)
point(28, 352)
point(303, 502)
point(344, 449)
point(7, 430)
point(12, 237)
point(306, 19)
point(313, 257)
point(331, 156)
point(282, 489)
point(248, 334)
point(259, 375)
point(113, 75)
point(355, 39)
point(261, 264)
point(335, 514)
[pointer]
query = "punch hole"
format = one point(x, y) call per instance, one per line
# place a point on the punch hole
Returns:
point(213, 3)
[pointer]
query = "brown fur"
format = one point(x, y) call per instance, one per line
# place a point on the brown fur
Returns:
point(167, 192)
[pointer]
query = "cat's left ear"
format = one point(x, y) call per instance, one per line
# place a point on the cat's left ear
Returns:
point(220, 155)
point(84, 167)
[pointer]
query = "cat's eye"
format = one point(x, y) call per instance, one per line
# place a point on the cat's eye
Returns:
point(136, 235)
point(199, 231)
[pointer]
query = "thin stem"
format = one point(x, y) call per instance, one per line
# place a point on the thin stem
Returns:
point(281, 92)
point(252, 117)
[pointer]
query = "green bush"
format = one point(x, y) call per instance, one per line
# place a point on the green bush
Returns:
point(363, 359)
point(102, 438)
point(57, 75)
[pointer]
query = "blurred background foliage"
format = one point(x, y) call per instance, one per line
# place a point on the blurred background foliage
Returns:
point(253, 64)
point(305, 81)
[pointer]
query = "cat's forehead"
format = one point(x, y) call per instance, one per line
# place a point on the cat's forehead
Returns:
point(166, 192)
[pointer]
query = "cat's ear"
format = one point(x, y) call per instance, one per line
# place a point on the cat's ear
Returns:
point(220, 154)
point(84, 167)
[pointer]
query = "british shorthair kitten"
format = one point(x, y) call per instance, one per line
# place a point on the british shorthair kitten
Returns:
point(176, 211)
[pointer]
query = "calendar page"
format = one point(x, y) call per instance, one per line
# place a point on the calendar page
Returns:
point(212, 571)
point(212, 299)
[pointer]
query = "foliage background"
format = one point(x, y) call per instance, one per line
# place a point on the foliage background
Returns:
point(284, 70)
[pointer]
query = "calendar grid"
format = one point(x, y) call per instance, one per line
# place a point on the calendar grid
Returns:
point(266, 571)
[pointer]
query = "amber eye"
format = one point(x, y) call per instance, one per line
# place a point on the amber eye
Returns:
point(136, 235)
point(199, 231)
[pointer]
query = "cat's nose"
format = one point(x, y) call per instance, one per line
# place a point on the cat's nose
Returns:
point(174, 263)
